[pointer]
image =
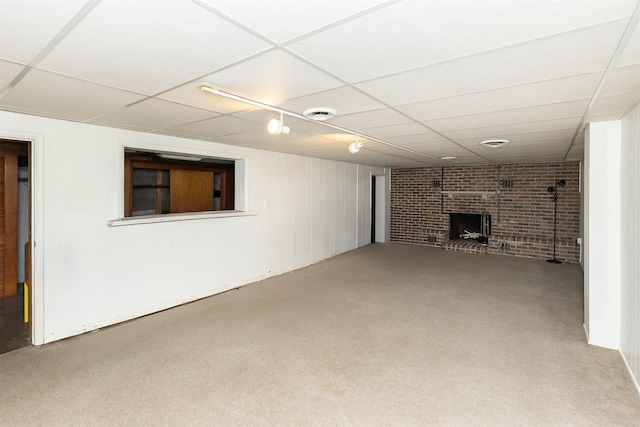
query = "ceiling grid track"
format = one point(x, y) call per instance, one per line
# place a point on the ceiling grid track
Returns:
point(344, 82)
point(626, 36)
point(79, 16)
point(423, 83)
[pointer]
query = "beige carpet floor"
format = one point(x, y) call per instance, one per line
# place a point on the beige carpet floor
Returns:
point(387, 335)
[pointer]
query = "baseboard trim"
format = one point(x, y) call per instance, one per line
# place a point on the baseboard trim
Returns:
point(633, 378)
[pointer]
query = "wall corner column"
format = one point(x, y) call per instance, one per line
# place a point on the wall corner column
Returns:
point(602, 234)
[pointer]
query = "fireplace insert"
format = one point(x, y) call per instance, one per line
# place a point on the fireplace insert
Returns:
point(464, 226)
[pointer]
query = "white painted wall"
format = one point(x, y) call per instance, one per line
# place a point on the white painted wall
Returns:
point(602, 234)
point(89, 275)
point(630, 244)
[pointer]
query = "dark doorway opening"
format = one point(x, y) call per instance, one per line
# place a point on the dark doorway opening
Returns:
point(373, 209)
point(15, 259)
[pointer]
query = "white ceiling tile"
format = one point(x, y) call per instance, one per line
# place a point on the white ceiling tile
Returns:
point(502, 154)
point(371, 153)
point(336, 151)
point(301, 142)
point(152, 115)
point(50, 94)
point(604, 117)
point(27, 26)
point(297, 126)
point(532, 137)
point(345, 138)
point(435, 150)
point(271, 78)
point(264, 116)
point(420, 155)
point(622, 80)
point(369, 119)
point(550, 58)
point(406, 163)
point(316, 129)
point(576, 153)
point(551, 145)
point(509, 131)
point(189, 94)
point(419, 138)
point(142, 47)
point(545, 92)
point(614, 106)
point(429, 145)
point(470, 70)
point(8, 72)
point(345, 100)
point(370, 157)
point(217, 126)
point(631, 53)
point(274, 19)
point(383, 132)
point(301, 145)
point(260, 138)
point(464, 160)
point(512, 116)
point(539, 158)
point(428, 32)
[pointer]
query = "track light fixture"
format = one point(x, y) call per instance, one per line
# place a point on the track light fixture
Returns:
point(354, 147)
point(276, 127)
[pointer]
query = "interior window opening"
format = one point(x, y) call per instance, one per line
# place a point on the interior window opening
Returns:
point(162, 183)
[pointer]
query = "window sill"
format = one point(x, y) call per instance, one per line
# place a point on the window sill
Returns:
point(152, 219)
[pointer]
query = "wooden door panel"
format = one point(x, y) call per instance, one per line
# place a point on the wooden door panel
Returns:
point(3, 289)
point(8, 225)
point(191, 191)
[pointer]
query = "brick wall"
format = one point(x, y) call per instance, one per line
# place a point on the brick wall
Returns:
point(521, 213)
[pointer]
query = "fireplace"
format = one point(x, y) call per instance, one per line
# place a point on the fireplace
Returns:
point(464, 226)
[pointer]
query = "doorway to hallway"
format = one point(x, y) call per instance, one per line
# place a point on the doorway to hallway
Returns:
point(15, 265)
point(378, 211)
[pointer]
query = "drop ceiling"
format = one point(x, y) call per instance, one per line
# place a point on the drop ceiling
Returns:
point(417, 79)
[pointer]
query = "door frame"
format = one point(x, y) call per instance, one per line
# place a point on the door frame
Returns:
point(35, 148)
point(379, 209)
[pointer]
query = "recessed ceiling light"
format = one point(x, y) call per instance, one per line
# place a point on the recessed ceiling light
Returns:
point(448, 158)
point(495, 143)
point(319, 114)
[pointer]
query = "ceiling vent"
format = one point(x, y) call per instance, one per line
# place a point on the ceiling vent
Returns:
point(319, 114)
point(495, 143)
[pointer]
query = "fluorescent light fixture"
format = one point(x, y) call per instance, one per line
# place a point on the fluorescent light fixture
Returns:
point(448, 158)
point(179, 157)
